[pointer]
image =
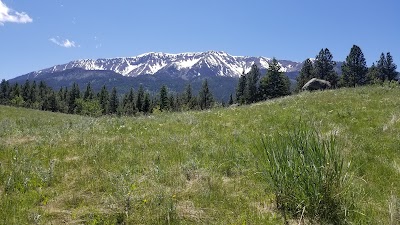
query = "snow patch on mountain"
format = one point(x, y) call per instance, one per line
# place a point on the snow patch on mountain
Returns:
point(186, 65)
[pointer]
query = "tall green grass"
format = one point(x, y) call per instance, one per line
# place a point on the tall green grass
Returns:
point(191, 167)
point(308, 174)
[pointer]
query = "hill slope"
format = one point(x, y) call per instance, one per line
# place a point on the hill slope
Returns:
point(189, 168)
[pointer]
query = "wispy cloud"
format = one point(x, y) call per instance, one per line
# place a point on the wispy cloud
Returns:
point(63, 42)
point(98, 45)
point(8, 15)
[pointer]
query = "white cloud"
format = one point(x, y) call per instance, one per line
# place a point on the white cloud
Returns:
point(64, 43)
point(11, 16)
point(98, 45)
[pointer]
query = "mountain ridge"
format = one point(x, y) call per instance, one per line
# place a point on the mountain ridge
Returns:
point(154, 69)
point(186, 65)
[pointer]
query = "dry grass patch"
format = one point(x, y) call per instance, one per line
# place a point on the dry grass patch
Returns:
point(186, 210)
point(71, 158)
point(19, 140)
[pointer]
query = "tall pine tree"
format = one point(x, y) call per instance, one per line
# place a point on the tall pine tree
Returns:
point(26, 89)
point(104, 99)
point(146, 103)
point(373, 75)
point(306, 74)
point(251, 88)
point(189, 98)
point(390, 67)
point(230, 100)
point(381, 66)
point(88, 94)
point(34, 95)
point(16, 98)
point(128, 103)
point(140, 99)
point(114, 102)
point(43, 90)
point(164, 102)
point(275, 83)
point(324, 67)
point(386, 67)
point(5, 92)
point(240, 89)
point(74, 94)
point(51, 102)
point(354, 69)
point(205, 96)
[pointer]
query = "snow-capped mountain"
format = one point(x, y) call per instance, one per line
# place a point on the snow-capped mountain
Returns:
point(152, 70)
point(182, 65)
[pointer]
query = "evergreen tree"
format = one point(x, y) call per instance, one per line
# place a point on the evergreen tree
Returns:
point(354, 68)
point(179, 102)
point(324, 67)
point(34, 96)
point(241, 89)
point(74, 94)
point(42, 90)
point(51, 102)
point(104, 99)
point(189, 99)
point(390, 67)
point(306, 74)
point(164, 103)
point(147, 103)
point(381, 66)
point(63, 93)
point(140, 99)
point(205, 96)
point(172, 102)
point(16, 91)
point(129, 103)
point(251, 88)
point(62, 96)
point(386, 67)
point(5, 92)
point(230, 100)
point(373, 75)
point(275, 83)
point(88, 95)
point(16, 96)
point(26, 89)
point(114, 102)
point(188, 96)
point(2, 92)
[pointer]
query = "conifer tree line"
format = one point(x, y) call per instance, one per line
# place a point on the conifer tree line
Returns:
point(73, 100)
point(252, 87)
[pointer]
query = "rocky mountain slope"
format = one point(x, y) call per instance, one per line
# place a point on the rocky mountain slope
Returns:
point(183, 65)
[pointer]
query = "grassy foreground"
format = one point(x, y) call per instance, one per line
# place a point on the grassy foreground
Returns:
point(192, 167)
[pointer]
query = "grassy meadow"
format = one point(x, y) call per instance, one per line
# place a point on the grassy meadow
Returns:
point(190, 167)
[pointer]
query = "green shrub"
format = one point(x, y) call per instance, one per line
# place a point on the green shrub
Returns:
point(308, 175)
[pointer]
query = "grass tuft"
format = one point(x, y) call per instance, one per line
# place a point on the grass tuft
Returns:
point(394, 210)
point(308, 175)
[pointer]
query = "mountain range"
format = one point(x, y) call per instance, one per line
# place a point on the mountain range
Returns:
point(155, 69)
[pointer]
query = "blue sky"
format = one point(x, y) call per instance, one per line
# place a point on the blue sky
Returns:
point(39, 34)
